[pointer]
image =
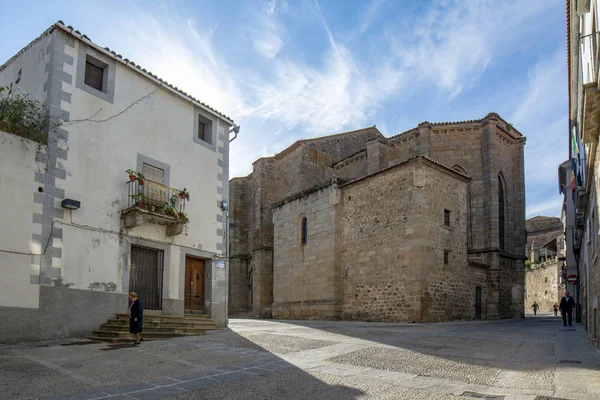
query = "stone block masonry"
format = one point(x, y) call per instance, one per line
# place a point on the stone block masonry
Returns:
point(427, 225)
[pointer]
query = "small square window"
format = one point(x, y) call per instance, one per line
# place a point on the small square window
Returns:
point(94, 76)
point(546, 292)
point(201, 131)
point(204, 129)
point(446, 257)
point(546, 280)
point(447, 217)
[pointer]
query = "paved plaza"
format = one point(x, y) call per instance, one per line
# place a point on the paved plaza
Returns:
point(532, 358)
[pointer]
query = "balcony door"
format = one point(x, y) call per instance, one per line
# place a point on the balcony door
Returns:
point(194, 285)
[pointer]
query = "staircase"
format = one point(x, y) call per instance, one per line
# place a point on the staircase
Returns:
point(155, 327)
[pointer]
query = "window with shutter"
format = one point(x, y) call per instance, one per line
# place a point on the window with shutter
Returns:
point(94, 76)
point(153, 173)
point(201, 131)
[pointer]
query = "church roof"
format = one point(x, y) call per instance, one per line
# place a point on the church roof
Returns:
point(125, 61)
point(489, 116)
point(355, 141)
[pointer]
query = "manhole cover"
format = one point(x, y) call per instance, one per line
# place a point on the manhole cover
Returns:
point(569, 362)
point(473, 395)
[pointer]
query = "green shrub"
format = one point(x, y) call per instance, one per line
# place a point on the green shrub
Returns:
point(23, 117)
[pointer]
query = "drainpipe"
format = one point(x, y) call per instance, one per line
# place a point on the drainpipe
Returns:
point(235, 129)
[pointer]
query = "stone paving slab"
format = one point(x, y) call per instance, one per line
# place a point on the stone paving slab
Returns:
point(344, 361)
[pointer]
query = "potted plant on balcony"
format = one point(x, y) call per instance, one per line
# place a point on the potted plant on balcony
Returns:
point(170, 210)
point(140, 178)
point(132, 174)
point(183, 217)
point(184, 194)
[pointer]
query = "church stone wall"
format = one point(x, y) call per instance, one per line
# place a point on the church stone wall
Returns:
point(305, 275)
point(390, 252)
point(543, 287)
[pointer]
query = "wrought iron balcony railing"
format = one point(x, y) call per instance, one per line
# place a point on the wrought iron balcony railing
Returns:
point(157, 198)
point(153, 202)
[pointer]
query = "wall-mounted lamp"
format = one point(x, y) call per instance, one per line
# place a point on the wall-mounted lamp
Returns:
point(224, 205)
point(70, 204)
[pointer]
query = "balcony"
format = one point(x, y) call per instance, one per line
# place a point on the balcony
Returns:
point(155, 203)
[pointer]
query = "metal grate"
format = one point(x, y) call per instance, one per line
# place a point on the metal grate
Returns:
point(569, 362)
point(146, 276)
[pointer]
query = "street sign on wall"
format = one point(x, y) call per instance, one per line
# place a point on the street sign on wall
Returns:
point(572, 279)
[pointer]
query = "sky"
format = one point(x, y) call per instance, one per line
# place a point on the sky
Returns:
point(291, 69)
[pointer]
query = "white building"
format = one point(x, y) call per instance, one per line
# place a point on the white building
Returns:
point(582, 196)
point(65, 271)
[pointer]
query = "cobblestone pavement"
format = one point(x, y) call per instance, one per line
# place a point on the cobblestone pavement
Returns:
point(534, 358)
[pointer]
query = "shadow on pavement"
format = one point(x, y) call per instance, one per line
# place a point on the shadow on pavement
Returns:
point(219, 365)
point(471, 351)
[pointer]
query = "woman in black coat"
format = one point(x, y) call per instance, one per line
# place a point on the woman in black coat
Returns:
point(136, 317)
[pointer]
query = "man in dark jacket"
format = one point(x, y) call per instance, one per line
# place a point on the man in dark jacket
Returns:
point(566, 308)
point(136, 317)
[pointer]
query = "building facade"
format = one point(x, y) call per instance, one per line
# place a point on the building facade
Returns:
point(84, 233)
point(544, 283)
point(427, 225)
point(581, 187)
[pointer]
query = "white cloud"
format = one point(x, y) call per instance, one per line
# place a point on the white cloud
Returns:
point(551, 207)
point(267, 43)
point(340, 88)
point(266, 34)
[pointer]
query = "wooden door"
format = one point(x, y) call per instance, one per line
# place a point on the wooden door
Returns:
point(194, 284)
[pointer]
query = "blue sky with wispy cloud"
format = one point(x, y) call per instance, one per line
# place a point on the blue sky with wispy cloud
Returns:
point(286, 70)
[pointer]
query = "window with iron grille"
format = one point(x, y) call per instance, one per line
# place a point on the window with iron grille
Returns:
point(447, 217)
point(146, 276)
point(94, 76)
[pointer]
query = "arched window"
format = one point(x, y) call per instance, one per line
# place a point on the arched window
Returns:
point(501, 206)
point(304, 230)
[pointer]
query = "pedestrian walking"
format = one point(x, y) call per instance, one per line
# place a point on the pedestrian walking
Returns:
point(535, 308)
point(555, 308)
point(566, 309)
point(136, 317)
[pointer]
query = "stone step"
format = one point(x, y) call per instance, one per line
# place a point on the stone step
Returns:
point(187, 317)
point(167, 324)
point(152, 335)
point(122, 328)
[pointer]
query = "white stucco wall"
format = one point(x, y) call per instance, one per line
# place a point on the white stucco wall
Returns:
point(16, 226)
point(32, 63)
point(94, 247)
point(160, 127)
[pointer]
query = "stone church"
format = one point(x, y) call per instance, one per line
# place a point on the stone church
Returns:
point(424, 226)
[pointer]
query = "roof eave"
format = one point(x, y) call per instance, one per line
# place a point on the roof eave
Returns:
point(96, 47)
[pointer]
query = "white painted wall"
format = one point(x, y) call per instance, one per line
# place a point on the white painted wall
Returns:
point(160, 127)
point(94, 248)
point(16, 225)
point(32, 63)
